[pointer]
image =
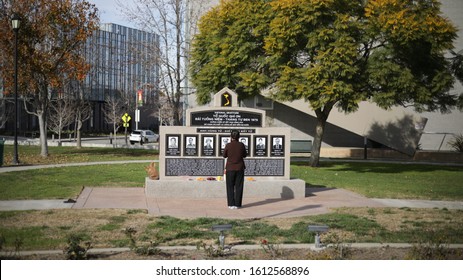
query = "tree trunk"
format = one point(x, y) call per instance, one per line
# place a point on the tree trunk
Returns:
point(115, 136)
point(317, 143)
point(43, 133)
point(82, 114)
point(176, 114)
point(60, 129)
point(78, 127)
point(79, 136)
point(322, 117)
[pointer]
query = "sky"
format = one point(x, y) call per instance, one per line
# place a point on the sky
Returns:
point(110, 13)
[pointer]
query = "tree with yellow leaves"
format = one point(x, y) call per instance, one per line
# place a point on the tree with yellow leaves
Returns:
point(331, 53)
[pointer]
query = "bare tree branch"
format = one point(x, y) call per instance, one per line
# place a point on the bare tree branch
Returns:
point(59, 115)
point(168, 19)
point(113, 111)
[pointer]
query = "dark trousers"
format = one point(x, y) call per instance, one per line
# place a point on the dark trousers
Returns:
point(235, 181)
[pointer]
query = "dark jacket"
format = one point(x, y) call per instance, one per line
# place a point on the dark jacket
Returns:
point(235, 151)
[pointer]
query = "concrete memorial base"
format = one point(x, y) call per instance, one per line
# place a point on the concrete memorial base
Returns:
point(287, 189)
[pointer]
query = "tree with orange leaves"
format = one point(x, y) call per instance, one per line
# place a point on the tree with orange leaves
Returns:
point(51, 37)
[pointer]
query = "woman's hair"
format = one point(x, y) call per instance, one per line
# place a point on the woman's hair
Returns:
point(235, 134)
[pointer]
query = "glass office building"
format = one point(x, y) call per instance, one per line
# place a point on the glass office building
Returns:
point(123, 60)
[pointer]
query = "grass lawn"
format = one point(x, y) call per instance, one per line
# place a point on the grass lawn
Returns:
point(49, 229)
point(31, 155)
point(67, 182)
point(386, 180)
point(379, 180)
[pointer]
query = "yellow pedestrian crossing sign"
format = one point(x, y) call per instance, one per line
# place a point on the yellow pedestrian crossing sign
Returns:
point(126, 119)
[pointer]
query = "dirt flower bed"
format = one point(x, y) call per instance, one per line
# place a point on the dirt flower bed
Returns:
point(107, 228)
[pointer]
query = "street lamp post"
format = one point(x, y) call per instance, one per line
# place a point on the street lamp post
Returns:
point(15, 22)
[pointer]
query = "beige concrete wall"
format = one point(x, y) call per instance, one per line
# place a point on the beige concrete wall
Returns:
point(397, 128)
point(441, 127)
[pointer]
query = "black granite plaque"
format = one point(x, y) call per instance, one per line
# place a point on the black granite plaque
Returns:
point(194, 167)
point(226, 100)
point(260, 146)
point(173, 144)
point(247, 143)
point(223, 141)
point(191, 145)
point(264, 167)
point(226, 119)
point(278, 146)
point(208, 146)
point(224, 130)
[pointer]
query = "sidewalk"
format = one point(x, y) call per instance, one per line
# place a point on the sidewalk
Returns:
point(317, 201)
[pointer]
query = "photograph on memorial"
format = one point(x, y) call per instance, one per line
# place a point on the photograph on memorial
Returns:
point(260, 146)
point(224, 140)
point(173, 144)
point(208, 146)
point(246, 141)
point(191, 147)
point(278, 146)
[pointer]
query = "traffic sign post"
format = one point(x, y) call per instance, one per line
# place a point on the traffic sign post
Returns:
point(125, 122)
point(126, 118)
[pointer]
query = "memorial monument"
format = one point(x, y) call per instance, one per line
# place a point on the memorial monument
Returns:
point(191, 162)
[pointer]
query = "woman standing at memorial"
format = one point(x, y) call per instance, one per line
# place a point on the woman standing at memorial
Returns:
point(235, 152)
